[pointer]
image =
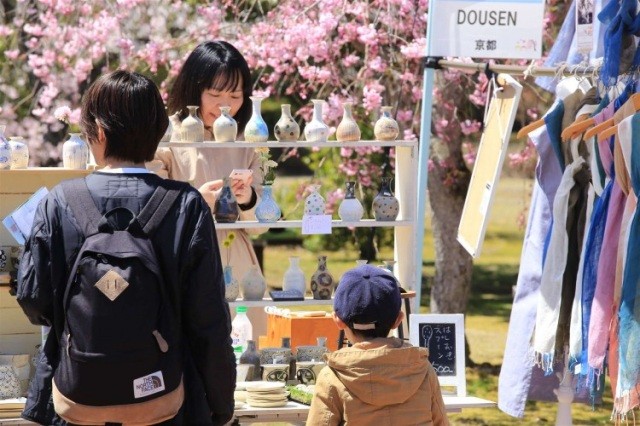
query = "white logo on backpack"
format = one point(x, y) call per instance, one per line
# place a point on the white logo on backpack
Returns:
point(148, 385)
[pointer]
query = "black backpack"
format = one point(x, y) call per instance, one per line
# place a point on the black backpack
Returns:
point(120, 356)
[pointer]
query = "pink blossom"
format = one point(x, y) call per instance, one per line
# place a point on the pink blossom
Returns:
point(62, 113)
point(470, 126)
point(12, 54)
point(415, 49)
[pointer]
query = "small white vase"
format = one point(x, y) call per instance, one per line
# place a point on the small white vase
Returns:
point(225, 128)
point(75, 153)
point(253, 284)
point(294, 277)
point(348, 130)
point(176, 128)
point(19, 152)
point(231, 285)
point(256, 129)
point(286, 129)
point(192, 128)
point(350, 209)
point(5, 151)
point(316, 130)
point(386, 128)
point(314, 204)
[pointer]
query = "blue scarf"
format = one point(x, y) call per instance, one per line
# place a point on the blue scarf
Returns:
point(621, 19)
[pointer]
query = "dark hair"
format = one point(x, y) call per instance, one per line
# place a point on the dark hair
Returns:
point(129, 109)
point(371, 334)
point(212, 65)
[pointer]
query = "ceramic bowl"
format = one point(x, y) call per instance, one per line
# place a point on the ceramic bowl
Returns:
point(275, 372)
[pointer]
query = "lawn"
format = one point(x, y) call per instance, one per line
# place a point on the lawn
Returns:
point(495, 272)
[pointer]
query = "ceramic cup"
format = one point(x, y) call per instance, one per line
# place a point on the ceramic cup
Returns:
point(244, 372)
point(275, 372)
point(307, 372)
point(274, 355)
point(310, 353)
point(15, 254)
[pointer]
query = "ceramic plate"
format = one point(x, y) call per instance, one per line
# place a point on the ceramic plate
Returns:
point(268, 404)
point(263, 386)
point(242, 385)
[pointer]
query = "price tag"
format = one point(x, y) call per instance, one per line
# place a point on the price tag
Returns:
point(316, 224)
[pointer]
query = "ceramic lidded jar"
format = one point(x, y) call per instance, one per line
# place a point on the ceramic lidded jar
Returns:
point(75, 153)
point(5, 151)
point(348, 130)
point(386, 128)
point(322, 281)
point(231, 285)
point(316, 130)
point(286, 129)
point(253, 284)
point(314, 204)
point(385, 205)
point(225, 209)
point(225, 128)
point(252, 356)
point(293, 278)
point(192, 127)
point(19, 152)
point(256, 129)
point(350, 209)
point(267, 210)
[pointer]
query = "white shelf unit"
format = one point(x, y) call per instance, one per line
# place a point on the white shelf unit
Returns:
point(407, 252)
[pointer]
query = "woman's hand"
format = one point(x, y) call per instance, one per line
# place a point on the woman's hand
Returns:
point(210, 191)
point(242, 190)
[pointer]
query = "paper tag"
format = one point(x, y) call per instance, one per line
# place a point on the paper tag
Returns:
point(316, 224)
point(19, 222)
point(584, 26)
point(148, 385)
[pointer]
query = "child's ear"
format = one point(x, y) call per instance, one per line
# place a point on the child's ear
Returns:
point(398, 320)
point(339, 323)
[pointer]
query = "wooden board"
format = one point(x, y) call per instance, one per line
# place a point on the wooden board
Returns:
point(488, 164)
point(303, 331)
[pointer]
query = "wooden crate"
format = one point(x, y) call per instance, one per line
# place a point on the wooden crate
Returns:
point(302, 330)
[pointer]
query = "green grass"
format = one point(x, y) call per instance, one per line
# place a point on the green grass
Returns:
point(487, 318)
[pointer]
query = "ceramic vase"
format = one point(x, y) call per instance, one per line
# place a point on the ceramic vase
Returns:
point(286, 129)
point(9, 383)
point(291, 359)
point(385, 205)
point(322, 281)
point(176, 128)
point(225, 209)
point(361, 262)
point(350, 209)
point(314, 203)
point(231, 285)
point(316, 130)
point(386, 128)
point(251, 356)
point(19, 152)
point(192, 127)
point(256, 129)
point(293, 278)
point(5, 151)
point(253, 284)
point(167, 134)
point(75, 153)
point(225, 128)
point(267, 210)
point(388, 265)
point(348, 130)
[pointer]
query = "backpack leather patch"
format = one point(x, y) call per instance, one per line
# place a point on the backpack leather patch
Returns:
point(112, 285)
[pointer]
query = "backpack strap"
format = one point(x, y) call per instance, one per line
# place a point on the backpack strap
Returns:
point(84, 209)
point(161, 201)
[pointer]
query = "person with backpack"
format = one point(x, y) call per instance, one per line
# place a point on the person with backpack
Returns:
point(124, 267)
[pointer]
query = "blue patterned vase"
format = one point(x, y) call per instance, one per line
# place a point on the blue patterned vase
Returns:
point(268, 210)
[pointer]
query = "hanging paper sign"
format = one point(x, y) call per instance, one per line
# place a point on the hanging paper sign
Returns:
point(584, 26)
point(316, 224)
point(486, 28)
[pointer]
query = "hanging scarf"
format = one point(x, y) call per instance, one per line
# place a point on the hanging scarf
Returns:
point(622, 21)
point(629, 313)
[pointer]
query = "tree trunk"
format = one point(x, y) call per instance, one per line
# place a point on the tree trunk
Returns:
point(452, 281)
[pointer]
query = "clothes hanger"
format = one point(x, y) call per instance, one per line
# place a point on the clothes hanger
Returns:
point(577, 128)
point(609, 128)
point(599, 128)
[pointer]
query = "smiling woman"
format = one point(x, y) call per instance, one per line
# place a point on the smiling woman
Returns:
point(216, 75)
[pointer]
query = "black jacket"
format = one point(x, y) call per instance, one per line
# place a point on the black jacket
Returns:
point(188, 252)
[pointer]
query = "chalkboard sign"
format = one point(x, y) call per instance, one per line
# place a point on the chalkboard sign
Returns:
point(443, 335)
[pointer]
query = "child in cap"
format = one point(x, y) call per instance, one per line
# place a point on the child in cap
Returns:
point(380, 380)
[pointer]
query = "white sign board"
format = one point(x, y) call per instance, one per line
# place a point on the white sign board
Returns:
point(510, 29)
point(443, 335)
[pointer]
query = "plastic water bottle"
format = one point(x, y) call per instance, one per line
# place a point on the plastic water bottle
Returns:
point(241, 332)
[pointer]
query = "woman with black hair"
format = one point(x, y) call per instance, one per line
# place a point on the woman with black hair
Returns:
point(216, 74)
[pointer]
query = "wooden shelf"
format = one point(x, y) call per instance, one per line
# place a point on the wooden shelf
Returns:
point(365, 223)
point(308, 301)
point(300, 144)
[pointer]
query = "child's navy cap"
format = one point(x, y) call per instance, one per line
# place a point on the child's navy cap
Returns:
point(367, 298)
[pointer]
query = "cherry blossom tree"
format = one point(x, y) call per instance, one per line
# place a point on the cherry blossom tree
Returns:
point(366, 51)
